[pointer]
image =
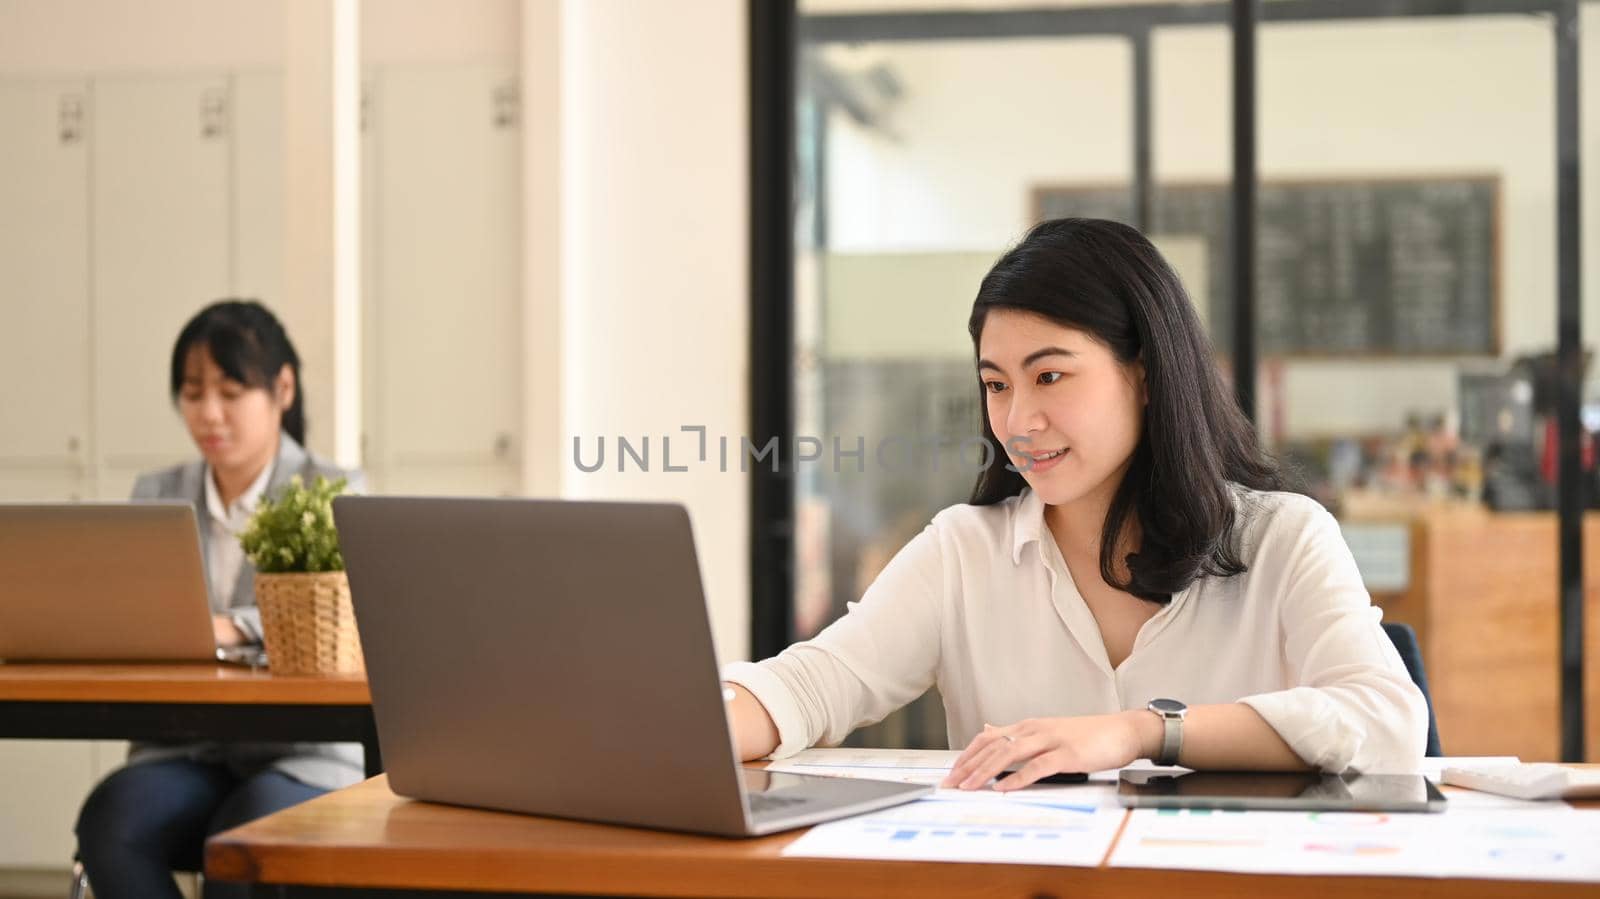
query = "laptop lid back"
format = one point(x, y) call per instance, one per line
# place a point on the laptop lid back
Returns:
point(542, 656)
point(103, 582)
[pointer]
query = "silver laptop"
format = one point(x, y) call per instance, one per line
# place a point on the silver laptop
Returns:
point(555, 658)
point(102, 582)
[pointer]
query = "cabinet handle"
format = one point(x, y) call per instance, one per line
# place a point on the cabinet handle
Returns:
point(507, 104)
point(69, 118)
point(213, 114)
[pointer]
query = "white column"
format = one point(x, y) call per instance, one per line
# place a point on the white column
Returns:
point(322, 241)
point(654, 261)
point(542, 452)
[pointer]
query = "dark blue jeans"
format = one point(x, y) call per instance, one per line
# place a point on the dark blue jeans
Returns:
point(147, 820)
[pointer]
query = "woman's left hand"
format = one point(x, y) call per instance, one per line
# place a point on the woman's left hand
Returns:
point(1038, 747)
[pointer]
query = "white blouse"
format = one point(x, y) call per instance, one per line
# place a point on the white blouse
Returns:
point(982, 605)
point(224, 556)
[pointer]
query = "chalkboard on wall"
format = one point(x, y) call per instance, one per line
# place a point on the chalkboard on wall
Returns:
point(1364, 267)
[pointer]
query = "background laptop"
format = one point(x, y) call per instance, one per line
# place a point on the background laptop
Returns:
point(555, 658)
point(103, 582)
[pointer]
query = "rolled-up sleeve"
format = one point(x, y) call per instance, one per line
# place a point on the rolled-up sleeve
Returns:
point(145, 487)
point(1353, 704)
point(880, 655)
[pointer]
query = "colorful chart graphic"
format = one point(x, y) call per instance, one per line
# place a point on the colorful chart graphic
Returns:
point(1349, 819)
point(970, 830)
point(1357, 849)
point(1527, 855)
point(1199, 843)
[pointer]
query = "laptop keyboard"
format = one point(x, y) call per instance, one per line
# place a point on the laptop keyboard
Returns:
point(767, 802)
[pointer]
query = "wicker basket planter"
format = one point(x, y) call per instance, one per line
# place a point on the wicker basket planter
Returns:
point(308, 624)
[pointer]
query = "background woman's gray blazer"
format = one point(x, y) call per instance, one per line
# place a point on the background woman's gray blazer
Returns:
point(325, 765)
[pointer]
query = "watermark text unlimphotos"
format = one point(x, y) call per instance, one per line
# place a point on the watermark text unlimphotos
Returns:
point(694, 448)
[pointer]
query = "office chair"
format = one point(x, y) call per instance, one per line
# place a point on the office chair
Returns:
point(1405, 641)
point(80, 880)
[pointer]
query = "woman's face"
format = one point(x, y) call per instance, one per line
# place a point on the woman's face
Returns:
point(234, 425)
point(1063, 408)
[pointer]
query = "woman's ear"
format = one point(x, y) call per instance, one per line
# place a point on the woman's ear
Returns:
point(284, 387)
point(1139, 379)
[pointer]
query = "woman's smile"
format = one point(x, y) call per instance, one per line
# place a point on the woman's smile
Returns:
point(1042, 461)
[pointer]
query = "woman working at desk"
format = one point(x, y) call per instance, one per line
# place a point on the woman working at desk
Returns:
point(235, 378)
point(1126, 581)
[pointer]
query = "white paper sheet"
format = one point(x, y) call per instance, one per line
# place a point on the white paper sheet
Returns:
point(921, 766)
point(925, 766)
point(929, 766)
point(1481, 835)
point(966, 829)
point(1433, 767)
point(1528, 843)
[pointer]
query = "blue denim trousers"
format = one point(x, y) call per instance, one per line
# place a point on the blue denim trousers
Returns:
point(146, 820)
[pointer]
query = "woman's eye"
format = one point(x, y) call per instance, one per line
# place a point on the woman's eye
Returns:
point(1050, 377)
point(994, 386)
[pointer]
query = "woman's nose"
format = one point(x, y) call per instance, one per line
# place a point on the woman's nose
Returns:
point(1025, 415)
point(210, 408)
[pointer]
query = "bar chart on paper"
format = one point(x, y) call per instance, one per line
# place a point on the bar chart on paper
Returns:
point(1042, 833)
point(1515, 841)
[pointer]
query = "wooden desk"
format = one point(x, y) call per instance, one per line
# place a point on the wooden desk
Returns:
point(365, 840)
point(183, 702)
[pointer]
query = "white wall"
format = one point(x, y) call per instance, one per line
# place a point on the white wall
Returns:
point(653, 264)
point(106, 35)
point(542, 357)
point(633, 145)
point(984, 122)
point(40, 38)
point(413, 31)
point(43, 36)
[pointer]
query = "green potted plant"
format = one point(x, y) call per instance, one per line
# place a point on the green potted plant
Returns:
point(307, 621)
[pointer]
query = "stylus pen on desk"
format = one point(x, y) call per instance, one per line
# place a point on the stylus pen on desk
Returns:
point(1060, 777)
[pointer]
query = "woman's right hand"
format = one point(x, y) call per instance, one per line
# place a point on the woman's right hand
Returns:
point(754, 732)
point(225, 631)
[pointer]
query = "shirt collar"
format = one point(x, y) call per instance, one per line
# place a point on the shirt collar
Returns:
point(1027, 523)
point(247, 501)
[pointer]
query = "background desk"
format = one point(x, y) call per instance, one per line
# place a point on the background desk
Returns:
point(1482, 595)
point(367, 839)
point(183, 702)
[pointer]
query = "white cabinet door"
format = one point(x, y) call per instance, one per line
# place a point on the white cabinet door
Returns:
point(444, 324)
point(44, 293)
point(161, 251)
point(257, 184)
point(45, 783)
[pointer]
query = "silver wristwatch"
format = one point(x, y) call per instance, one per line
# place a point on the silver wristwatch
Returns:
point(1171, 712)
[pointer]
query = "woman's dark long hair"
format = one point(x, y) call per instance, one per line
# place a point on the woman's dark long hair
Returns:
point(250, 345)
point(1108, 281)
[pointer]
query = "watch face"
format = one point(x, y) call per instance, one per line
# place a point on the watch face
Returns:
point(1167, 706)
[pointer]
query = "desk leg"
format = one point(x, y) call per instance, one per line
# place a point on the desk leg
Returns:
point(370, 752)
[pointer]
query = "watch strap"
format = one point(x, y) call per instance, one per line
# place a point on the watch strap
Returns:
point(1171, 739)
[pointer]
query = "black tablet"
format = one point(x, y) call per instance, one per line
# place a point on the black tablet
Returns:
point(1311, 791)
